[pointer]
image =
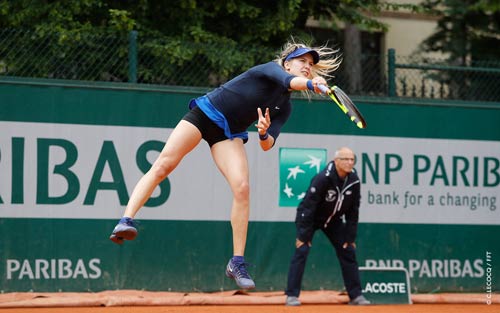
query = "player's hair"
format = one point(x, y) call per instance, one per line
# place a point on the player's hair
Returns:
point(329, 59)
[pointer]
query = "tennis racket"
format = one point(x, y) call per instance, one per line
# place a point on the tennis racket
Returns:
point(345, 104)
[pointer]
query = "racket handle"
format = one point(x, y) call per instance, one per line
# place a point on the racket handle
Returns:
point(323, 89)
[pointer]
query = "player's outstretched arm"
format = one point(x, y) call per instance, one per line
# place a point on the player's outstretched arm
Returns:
point(302, 83)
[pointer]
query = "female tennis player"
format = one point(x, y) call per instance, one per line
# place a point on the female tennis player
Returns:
point(221, 118)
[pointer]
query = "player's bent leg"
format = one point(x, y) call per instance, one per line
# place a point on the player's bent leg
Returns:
point(184, 138)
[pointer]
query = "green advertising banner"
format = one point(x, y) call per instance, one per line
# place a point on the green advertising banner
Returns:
point(386, 285)
point(71, 154)
point(297, 168)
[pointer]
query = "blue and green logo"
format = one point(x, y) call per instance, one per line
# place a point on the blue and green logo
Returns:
point(297, 167)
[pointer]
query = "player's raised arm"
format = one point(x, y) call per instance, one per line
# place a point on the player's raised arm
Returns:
point(263, 124)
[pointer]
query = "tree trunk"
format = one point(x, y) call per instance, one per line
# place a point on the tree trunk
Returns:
point(352, 58)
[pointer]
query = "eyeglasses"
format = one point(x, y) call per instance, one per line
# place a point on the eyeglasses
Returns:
point(347, 159)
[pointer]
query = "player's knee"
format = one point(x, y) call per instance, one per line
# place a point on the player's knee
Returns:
point(242, 191)
point(162, 168)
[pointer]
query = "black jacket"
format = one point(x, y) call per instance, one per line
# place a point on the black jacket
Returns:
point(326, 200)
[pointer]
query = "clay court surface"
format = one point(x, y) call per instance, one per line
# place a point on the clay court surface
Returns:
point(133, 301)
point(414, 308)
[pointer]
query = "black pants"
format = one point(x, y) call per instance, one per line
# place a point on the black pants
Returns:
point(347, 259)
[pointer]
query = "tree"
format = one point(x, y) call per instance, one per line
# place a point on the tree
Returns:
point(467, 30)
point(468, 34)
point(225, 36)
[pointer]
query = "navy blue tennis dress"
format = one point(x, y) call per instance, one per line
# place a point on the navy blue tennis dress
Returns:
point(233, 105)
